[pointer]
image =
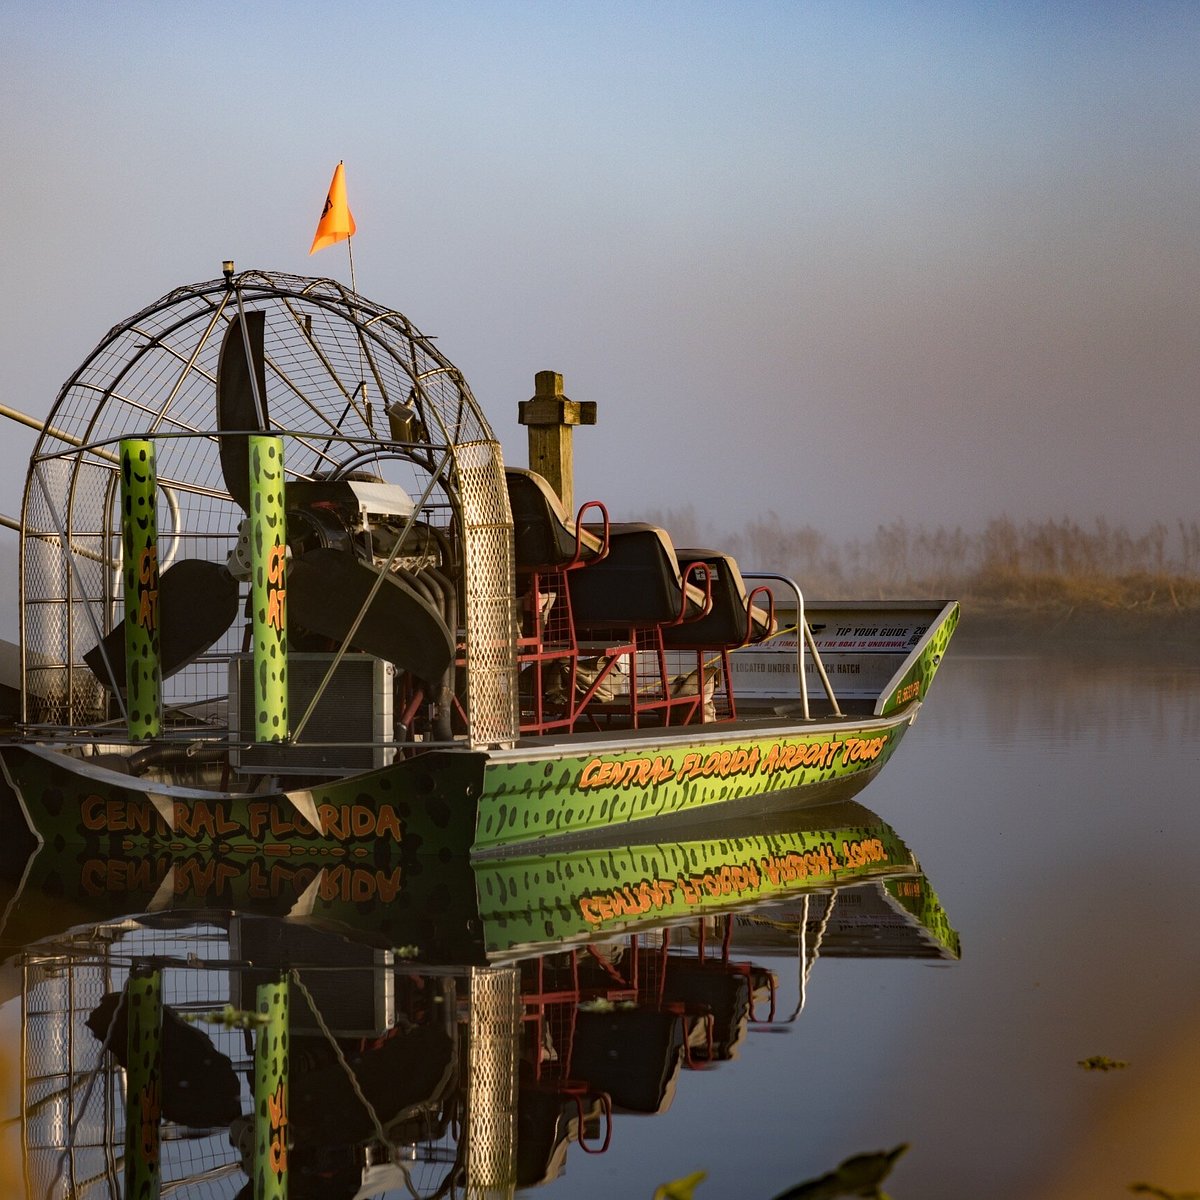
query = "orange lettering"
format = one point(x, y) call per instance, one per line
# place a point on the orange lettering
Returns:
point(257, 812)
point(147, 615)
point(329, 822)
point(276, 598)
point(91, 877)
point(277, 1112)
point(388, 885)
point(362, 821)
point(91, 813)
point(588, 776)
point(148, 565)
point(388, 823)
point(276, 557)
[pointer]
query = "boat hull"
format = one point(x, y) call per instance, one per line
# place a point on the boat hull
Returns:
point(420, 805)
point(460, 802)
point(464, 801)
point(611, 789)
point(581, 895)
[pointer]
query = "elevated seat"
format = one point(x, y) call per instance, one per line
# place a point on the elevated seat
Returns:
point(550, 998)
point(634, 1055)
point(724, 993)
point(640, 583)
point(635, 1050)
point(735, 618)
point(548, 544)
point(545, 537)
point(548, 1120)
point(623, 604)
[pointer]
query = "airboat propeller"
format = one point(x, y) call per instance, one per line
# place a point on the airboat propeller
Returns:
point(241, 399)
point(200, 600)
point(335, 589)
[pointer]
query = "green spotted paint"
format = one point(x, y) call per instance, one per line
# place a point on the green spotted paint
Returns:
point(268, 588)
point(271, 1092)
point(527, 796)
point(139, 563)
point(143, 1084)
point(913, 682)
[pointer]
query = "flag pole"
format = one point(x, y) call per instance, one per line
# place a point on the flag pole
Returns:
point(362, 370)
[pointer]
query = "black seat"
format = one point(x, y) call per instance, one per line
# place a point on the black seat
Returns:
point(723, 993)
point(544, 534)
point(734, 618)
point(638, 585)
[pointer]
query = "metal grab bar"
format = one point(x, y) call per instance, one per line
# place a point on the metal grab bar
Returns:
point(803, 637)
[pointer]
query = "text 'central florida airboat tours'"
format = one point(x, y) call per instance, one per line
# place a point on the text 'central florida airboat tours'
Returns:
point(278, 589)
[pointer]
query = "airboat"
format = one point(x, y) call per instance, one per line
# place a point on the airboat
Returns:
point(280, 593)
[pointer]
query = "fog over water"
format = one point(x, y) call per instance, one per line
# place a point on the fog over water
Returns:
point(847, 262)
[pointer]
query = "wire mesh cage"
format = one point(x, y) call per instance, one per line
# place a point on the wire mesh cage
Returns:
point(353, 390)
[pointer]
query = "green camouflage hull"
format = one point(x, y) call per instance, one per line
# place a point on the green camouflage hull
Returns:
point(458, 801)
point(424, 804)
point(629, 786)
point(529, 797)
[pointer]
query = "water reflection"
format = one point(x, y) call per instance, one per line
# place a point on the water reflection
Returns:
point(1059, 702)
point(358, 1028)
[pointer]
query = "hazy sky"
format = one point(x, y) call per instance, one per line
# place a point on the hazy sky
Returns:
point(849, 262)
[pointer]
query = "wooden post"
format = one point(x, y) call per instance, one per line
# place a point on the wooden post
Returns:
point(550, 416)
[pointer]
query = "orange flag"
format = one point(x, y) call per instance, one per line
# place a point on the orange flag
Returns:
point(336, 223)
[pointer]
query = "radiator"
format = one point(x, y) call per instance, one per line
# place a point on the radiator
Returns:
point(345, 732)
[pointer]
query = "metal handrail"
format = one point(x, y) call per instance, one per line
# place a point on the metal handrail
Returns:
point(803, 637)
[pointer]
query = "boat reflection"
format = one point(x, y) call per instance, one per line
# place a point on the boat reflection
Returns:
point(350, 1029)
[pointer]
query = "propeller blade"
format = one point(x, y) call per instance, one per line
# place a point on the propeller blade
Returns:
point(236, 406)
point(326, 589)
point(197, 603)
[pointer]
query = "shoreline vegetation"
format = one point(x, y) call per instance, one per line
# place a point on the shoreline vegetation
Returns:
point(1046, 582)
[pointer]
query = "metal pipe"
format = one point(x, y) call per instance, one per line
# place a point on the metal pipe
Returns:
point(803, 637)
point(21, 418)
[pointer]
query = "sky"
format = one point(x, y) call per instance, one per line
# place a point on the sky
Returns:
point(849, 263)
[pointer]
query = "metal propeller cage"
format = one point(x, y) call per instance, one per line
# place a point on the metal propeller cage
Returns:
point(352, 387)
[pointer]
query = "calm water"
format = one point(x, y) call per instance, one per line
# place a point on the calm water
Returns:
point(1052, 808)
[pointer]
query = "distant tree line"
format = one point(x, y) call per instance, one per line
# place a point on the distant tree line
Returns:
point(900, 557)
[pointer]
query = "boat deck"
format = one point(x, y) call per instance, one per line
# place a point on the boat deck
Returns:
point(764, 719)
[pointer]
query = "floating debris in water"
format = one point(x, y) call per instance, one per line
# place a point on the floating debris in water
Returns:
point(860, 1175)
point(1101, 1062)
point(680, 1189)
